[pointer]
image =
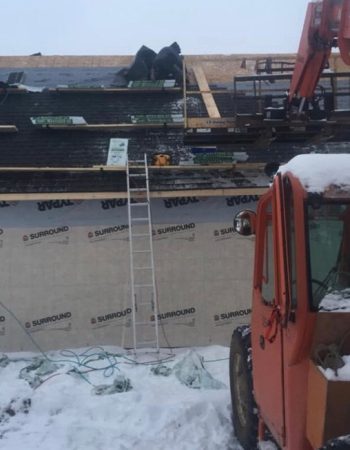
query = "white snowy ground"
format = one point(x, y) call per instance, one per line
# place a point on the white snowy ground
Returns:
point(43, 407)
point(60, 401)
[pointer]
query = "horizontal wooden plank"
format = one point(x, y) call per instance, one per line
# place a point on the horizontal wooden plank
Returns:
point(14, 90)
point(113, 126)
point(116, 90)
point(193, 168)
point(8, 129)
point(207, 122)
point(63, 169)
point(110, 195)
point(211, 91)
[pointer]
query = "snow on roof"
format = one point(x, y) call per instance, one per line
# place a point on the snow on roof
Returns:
point(316, 172)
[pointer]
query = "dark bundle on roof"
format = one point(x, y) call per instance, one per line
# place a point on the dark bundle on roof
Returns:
point(168, 63)
point(141, 67)
point(147, 65)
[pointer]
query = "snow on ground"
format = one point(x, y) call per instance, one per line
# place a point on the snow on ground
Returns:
point(181, 402)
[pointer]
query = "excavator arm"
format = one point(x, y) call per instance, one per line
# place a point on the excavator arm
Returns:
point(327, 25)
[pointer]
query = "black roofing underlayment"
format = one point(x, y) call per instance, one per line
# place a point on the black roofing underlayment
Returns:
point(40, 147)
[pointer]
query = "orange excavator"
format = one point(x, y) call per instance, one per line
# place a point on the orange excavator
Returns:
point(327, 25)
point(289, 387)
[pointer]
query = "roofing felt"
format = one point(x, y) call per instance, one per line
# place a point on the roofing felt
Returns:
point(42, 147)
point(54, 76)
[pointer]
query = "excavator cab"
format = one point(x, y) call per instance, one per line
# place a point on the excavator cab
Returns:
point(300, 311)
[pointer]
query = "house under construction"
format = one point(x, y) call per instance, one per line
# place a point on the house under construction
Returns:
point(118, 196)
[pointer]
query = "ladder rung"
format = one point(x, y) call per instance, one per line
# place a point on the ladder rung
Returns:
point(138, 169)
point(139, 204)
point(145, 343)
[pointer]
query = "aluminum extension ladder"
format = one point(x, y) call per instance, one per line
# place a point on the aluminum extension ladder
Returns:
point(142, 274)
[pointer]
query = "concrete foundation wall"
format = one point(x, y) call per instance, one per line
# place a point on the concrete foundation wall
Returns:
point(64, 272)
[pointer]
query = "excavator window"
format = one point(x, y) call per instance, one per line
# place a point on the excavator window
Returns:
point(329, 249)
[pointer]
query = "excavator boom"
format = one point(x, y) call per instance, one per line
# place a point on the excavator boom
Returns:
point(327, 25)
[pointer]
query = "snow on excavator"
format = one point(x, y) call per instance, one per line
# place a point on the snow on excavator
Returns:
point(290, 370)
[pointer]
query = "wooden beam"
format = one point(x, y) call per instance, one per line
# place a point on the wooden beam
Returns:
point(230, 192)
point(13, 90)
point(113, 126)
point(207, 122)
point(193, 168)
point(116, 90)
point(184, 83)
point(222, 192)
point(212, 91)
point(8, 129)
point(208, 98)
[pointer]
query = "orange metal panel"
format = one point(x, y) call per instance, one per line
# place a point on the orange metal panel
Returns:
point(344, 33)
point(267, 356)
point(328, 408)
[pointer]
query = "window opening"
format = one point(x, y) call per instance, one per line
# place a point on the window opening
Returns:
point(328, 228)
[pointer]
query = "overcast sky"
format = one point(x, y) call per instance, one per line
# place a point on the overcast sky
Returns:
point(103, 27)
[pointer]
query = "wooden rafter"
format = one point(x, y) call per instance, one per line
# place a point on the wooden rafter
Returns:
point(207, 96)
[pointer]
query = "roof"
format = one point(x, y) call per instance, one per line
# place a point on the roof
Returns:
point(72, 160)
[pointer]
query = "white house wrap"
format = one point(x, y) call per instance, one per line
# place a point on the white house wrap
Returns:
point(64, 272)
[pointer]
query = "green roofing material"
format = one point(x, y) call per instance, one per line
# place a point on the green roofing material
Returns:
point(151, 84)
point(213, 158)
point(57, 120)
point(157, 118)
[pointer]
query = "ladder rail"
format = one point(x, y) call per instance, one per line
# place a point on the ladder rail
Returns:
point(155, 299)
point(148, 239)
point(131, 247)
